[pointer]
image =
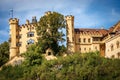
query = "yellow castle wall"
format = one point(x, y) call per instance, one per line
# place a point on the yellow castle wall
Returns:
point(112, 53)
point(24, 38)
point(86, 46)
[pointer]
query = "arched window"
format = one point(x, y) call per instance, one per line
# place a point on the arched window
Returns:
point(117, 44)
point(30, 41)
point(112, 47)
point(30, 34)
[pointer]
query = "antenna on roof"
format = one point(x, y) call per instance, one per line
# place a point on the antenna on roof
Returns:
point(11, 13)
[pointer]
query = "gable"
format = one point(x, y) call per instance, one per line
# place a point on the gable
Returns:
point(115, 28)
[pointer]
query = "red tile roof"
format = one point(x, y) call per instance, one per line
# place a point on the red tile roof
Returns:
point(91, 31)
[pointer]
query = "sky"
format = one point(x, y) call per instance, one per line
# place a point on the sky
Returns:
point(87, 13)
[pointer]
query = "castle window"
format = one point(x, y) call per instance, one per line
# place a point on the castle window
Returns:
point(89, 40)
point(112, 47)
point(89, 49)
point(30, 41)
point(18, 44)
point(79, 40)
point(96, 39)
point(118, 54)
point(118, 44)
point(19, 36)
point(73, 38)
point(30, 34)
point(113, 56)
point(96, 47)
point(85, 49)
point(68, 39)
point(84, 40)
point(80, 49)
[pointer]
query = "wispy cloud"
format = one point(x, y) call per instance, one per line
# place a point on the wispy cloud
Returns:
point(86, 14)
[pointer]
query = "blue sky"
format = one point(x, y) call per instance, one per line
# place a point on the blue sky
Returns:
point(88, 13)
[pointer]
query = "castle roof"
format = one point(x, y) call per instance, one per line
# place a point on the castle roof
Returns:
point(115, 28)
point(91, 31)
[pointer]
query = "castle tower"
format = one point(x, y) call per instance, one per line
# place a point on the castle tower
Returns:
point(14, 31)
point(70, 33)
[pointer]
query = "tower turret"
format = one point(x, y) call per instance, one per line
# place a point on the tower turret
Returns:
point(13, 37)
point(70, 33)
point(34, 20)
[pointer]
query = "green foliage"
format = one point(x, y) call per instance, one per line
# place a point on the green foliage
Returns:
point(49, 29)
point(4, 53)
point(11, 73)
point(87, 66)
point(32, 57)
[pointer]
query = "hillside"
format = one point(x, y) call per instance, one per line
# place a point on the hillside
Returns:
point(88, 66)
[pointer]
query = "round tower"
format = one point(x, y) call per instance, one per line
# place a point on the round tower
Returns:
point(70, 33)
point(13, 23)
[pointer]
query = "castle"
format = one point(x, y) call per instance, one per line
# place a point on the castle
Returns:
point(78, 40)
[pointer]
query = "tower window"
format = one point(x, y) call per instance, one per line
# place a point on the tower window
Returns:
point(18, 44)
point(19, 36)
point(30, 34)
point(30, 41)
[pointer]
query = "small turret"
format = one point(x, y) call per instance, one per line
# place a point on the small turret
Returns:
point(13, 21)
point(70, 33)
point(34, 20)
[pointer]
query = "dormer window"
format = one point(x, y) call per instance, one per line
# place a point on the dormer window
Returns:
point(30, 34)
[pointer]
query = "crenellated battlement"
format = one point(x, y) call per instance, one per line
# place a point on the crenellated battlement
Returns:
point(13, 21)
point(69, 17)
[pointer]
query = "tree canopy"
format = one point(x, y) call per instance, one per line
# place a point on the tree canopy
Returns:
point(4, 53)
point(88, 66)
point(49, 30)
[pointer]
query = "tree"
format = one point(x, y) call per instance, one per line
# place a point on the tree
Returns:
point(49, 29)
point(4, 53)
point(32, 58)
